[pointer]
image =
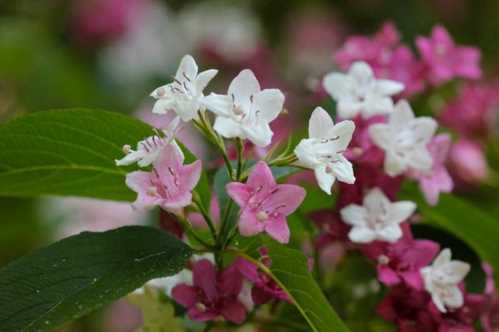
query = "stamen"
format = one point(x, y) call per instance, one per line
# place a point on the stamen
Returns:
point(127, 149)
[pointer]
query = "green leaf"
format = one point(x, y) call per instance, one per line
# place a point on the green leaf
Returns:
point(466, 221)
point(79, 274)
point(67, 152)
point(157, 314)
point(290, 270)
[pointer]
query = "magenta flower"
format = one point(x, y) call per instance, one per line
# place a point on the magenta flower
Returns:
point(265, 204)
point(437, 179)
point(444, 60)
point(212, 294)
point(169, 184)
point(402, 261)
point(264, 287)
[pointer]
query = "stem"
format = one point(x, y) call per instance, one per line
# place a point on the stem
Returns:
point(188, 229)
point(206, 216)
point(240, 152)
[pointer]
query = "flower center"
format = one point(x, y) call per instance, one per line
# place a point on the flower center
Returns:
point(262, 216)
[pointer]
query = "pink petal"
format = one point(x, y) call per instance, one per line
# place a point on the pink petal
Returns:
point(278, 229)
point(387, 276)
point(259, 295)
point(413, 279)
point(178, 201)
point(248, 269)
point(234, 311)
point(261, 175)
point(185, 295)
point(190, 175)
point(285, 199)
point(248, 224)
point(140, 182)
point(239, 192)
point(201, 315)
point(204, 277)
point(231, 281)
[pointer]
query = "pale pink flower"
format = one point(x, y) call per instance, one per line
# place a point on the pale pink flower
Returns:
point(468, 161)
point(445, 60)
point(265, 204)
point(437, 179)
point(169, 184)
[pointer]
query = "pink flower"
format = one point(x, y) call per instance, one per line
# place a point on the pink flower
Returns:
point(444, 60)
point(468, 162)
point(474, 111)
point(387, 57)
point(265, 204)
point(402, 261)
point(169, 184)
point(437, 179)
point(212, 294)
point(264, 287)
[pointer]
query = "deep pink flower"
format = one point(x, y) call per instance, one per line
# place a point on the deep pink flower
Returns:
point(264, 287)
point(474, 111)
point(169, 184)
point(212, 294)
point(437, 179)
point(468, 162)
point(387, 57)
point(444, 60)
point(402, 261)
point(265, 204)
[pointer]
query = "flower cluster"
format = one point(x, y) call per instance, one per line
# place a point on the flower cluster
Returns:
point(376, 144)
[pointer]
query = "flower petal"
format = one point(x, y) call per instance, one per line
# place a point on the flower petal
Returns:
point(204, 78)
point(187, 70)
point(278, 229)
point(354, 215)
point(258, 133)
point(218, 104)
point(391, 233)
point(343, 170)
point(185, 295)
point(261, 176)
point(285, 199)
point(228, 128)
point(243, 87)
point(361, 235)
point(324, 179)
point(268, 103)
point(320, 123)
point(343, 131)
point(204, 276)
point(239, 192)
point(401, 211)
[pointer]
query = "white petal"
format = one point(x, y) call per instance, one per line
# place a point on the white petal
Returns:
point(454, 298)
point(377, 105)
point(354, 215)
point(160, 91)
point(389, 87)
point(349, 108)
point(187, 68)
point(391, 233)
point(130, 158)
point(361, 72)
point(162, 106)
point(394, 164)
point(380, 134)
point(424, 128)
point(218, 104)
point(268, 103)
point(361, 235)
point(204, 78)
point(442, 258)
point(259, 134)
point(228, 128)
point(305, 153)
point(400, 211)
point(324, 179)
point(420, 159)
point(343, 131)
point(375, 201)
point(438, 302)
point(456, 271)
point(402, 115)
point(243, 86)
point(343, 170)
point(339, 86)
point(320, 123)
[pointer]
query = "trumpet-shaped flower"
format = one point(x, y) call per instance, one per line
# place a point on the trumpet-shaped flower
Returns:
point(148, 149)
point(212, 294)
point(323, 150)
point(441, 280)
point(377, 219)
point(445, 60)
point(246, 110)
point(265, 204)
point(185, 94)
point(169, 184)
point(404, 139)
point(359, 91)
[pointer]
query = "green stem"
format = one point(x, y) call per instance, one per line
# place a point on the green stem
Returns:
point(188, 229)
point(206, 216)
point(240, 153)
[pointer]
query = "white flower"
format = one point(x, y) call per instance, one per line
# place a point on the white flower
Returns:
point(377, 219)
point(148, 149)
point(404, 139)
point(441, 280)
point(360, 92)
point(246, 110)
point(322, 151)
point(184, 95)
